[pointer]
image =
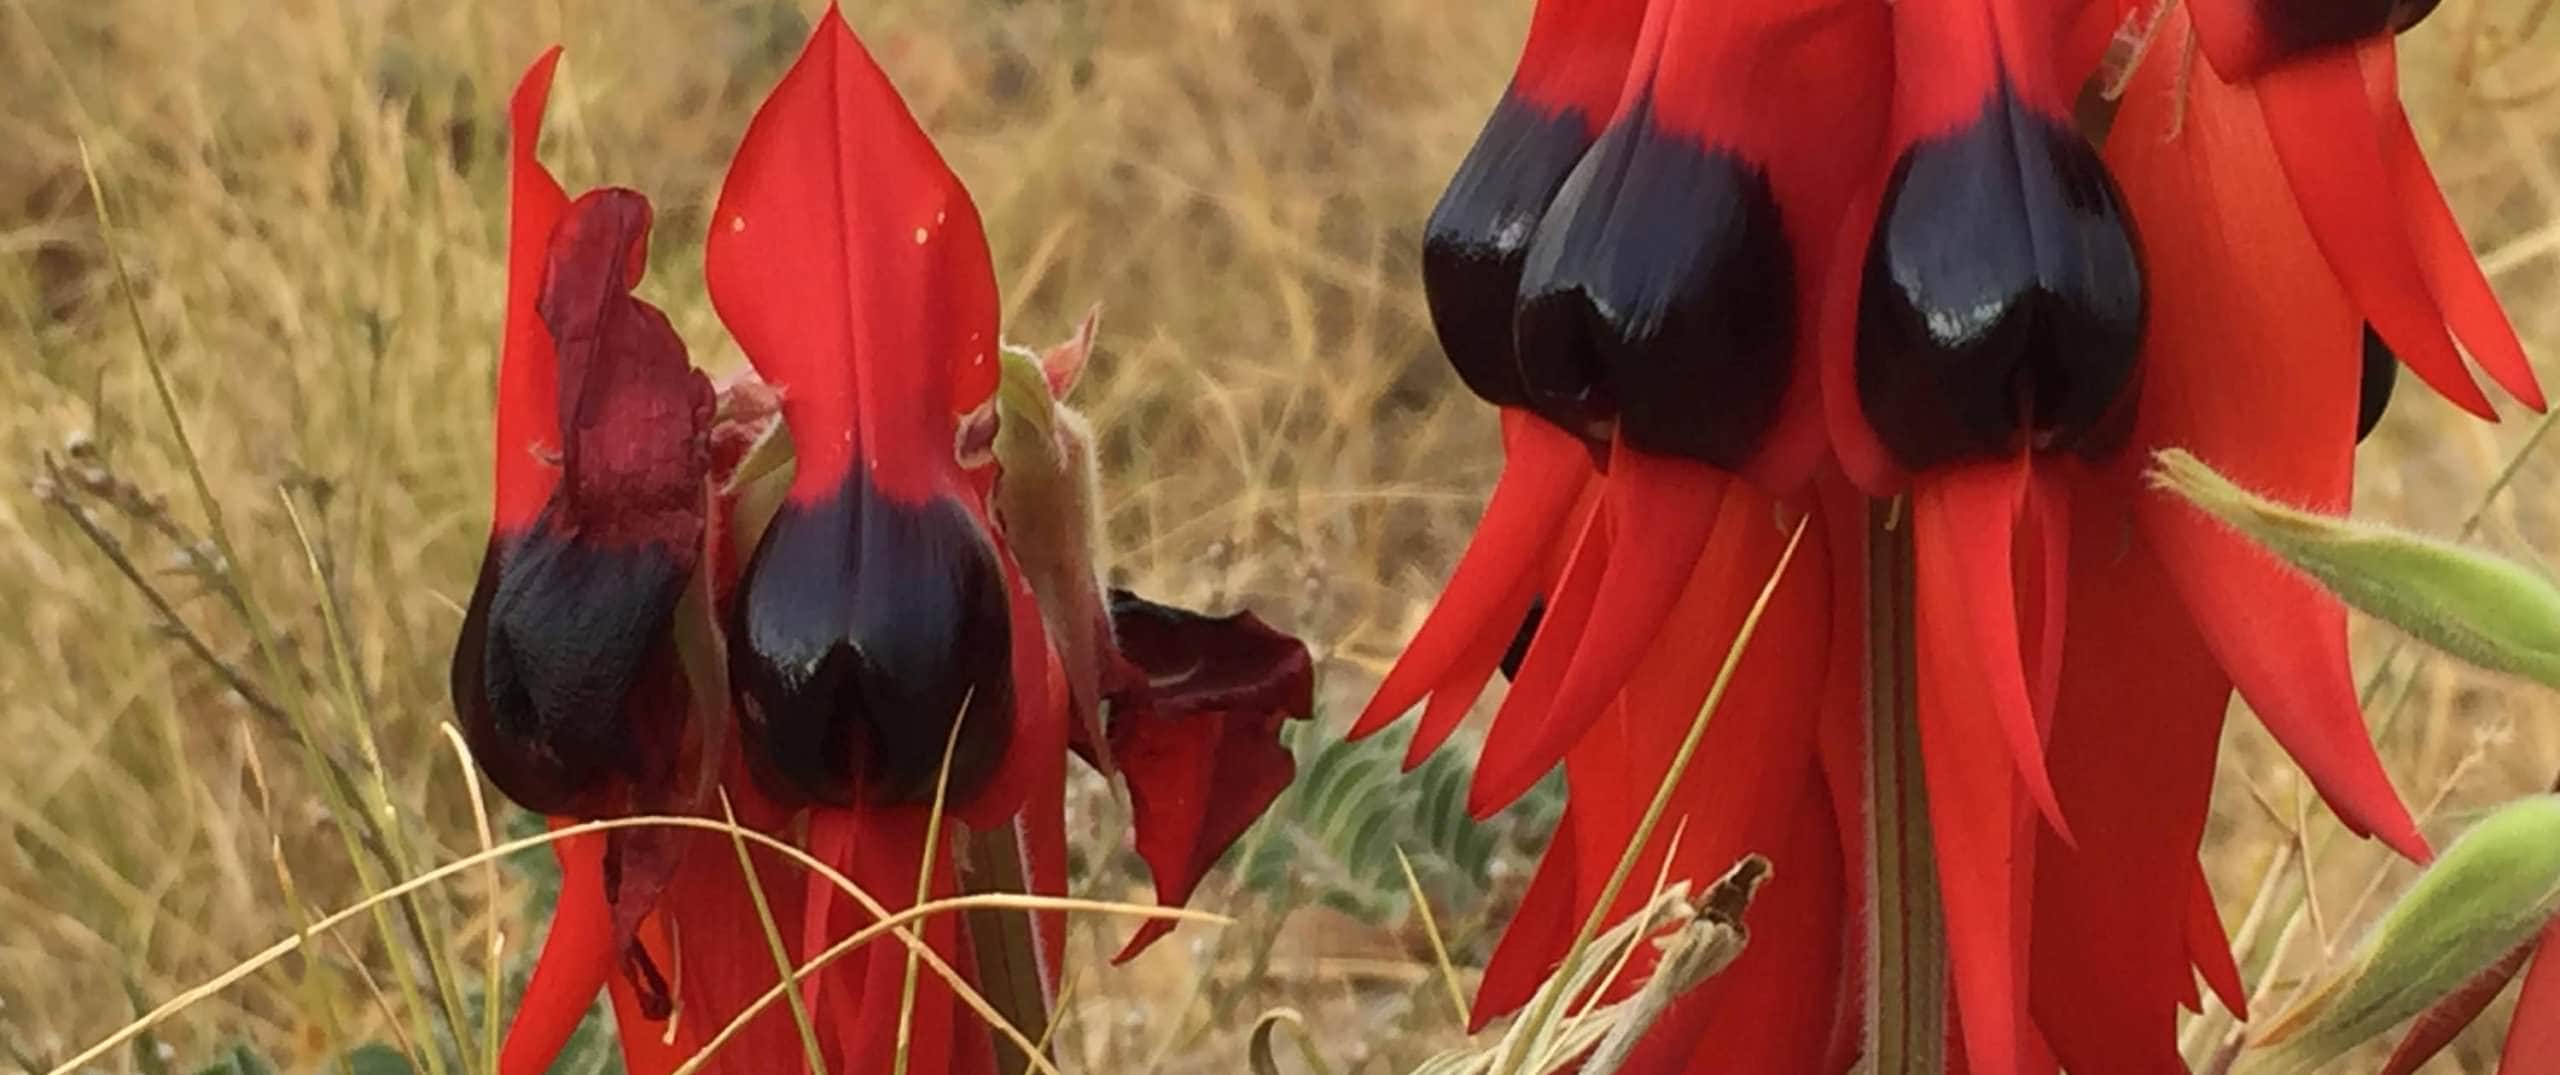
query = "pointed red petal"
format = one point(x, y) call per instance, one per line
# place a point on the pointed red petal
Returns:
point(2331, 149)
point(2210, 950)
point(891, 854)
point(1759, 1015)
point(2116, 918)
point(1661, 511)
point(2452, 272)
point(832, 836)
point(1540, 930)
point(577, 956)
point(528, 373)
point(2279, 417)
point(850, 264)
point(1964, 536)
point(1465, 682)
point(1509, 744)
point(1985, 853)
point(2436, 1027)
point(2533, 1037)
point(1543, 473)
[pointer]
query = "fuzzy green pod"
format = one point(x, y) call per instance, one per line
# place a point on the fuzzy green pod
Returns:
point(2486, 610)
point(2489, 893)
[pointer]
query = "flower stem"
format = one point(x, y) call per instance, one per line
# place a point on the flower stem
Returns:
point(1906, 1010)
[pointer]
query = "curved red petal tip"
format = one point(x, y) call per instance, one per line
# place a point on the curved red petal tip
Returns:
point(830, 840)
point(2533, 1035)
point(1964, 533)
point(1544, 470)
point(528, 434)
point(2211, 951)
point(1509, 763)
point(1466, 679)
point(577, 957)
point(1984, 862)
point(2453, 273)
point(1539, 932)
point(2436, 1027)
point(850, 264)
point(2331, 149)
point(1661, 511)
point(2285, 645)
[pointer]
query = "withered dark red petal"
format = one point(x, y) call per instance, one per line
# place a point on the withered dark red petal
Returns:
point(866, 627)
point(2003, 300)
point(1199, 738)
point(565, 676)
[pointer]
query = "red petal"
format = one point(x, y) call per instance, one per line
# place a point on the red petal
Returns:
point(1540, 930)
point(2445, 1020)
point(2533, 1037)
point(1984, 840)
point(2117, 917)
point(1964, 538)
point(1575, 57)
point(1199, 740)
point(1761, 1013)
point(1543, 473)
point(577, 957)
point(1661, 511)
point(1507, 758)
point(2452, 272)
point(850, 264)
point(1465, 681)
point(2211, 951)
point(2270, 400)
point(2331, 148)
point(528, 374)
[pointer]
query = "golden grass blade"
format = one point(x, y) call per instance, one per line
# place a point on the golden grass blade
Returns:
point(342, 663)
point(924, 876)
point(288, 945)
point(489, 892)
point(1258, 1047)
point(934, 962)
point(1431, 930)
point(773, 940)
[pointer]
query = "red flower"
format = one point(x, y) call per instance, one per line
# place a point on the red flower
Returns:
point(1829, 251)
point(867, 628)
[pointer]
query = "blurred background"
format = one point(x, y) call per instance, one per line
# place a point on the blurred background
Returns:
point(309, 197)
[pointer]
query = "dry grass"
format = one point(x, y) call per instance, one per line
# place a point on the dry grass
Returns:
point(309, 196)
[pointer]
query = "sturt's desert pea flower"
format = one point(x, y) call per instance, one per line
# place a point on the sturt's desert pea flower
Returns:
point(836, 596)
point(1933, 279)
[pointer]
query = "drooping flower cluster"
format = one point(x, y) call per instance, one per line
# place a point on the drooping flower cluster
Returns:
point(1725, 266)
point(844, 595)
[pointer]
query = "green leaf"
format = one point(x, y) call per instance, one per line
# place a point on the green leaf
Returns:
point(376, 1058)
point(240, 1060)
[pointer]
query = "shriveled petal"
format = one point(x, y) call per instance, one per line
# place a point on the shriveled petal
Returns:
point(1197, 735)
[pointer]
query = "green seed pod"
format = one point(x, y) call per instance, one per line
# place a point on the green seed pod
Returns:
point(2489, 893)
